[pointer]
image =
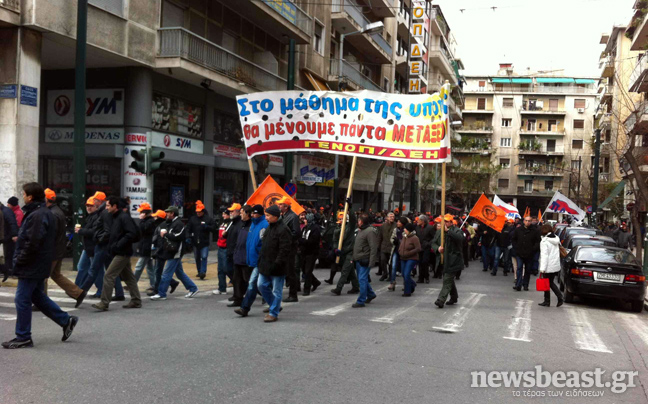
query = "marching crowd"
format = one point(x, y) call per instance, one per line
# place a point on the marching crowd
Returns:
point(258, 250)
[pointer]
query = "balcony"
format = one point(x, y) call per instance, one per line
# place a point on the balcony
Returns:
point(10, 12)
point(382, 8)
point(177, 46)
point(537, 192)
point(540, 149)
point(639, 76)
point(441, 58)
point(637, 121)
point(438, 24)
point(603, 177)
point(404, 20)
point(13, 5)
point(475, 129)
point(352, 74)
point(486, 110)
point(607, 67)
point(540, 171)
point(540, 110)
point(473, 150)
point(347, 18)
point(538, 89)
point(282, 18)
point(540, 132)
point(639, 39)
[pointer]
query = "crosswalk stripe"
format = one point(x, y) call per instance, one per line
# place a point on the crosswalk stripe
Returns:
point(333, 311)
point(391, 316)
point(633, 322)
point(459, 318)
point(583, 332)
point(55, 299)
point(7, 317)
point(13, 306)
point(520, 326)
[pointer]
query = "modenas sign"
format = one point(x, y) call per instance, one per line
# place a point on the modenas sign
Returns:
point(92, 135)
point(102, 107)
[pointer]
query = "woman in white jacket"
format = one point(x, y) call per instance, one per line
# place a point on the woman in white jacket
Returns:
point(550, 262)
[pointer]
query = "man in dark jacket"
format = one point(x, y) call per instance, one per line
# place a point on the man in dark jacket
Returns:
point(526, 242)
point(123, 233)
point(365, 256)
point(146, 229)
point(231, 235)
point(35, 250)
point(273, 261)
point(291, 220)
point(64, 283)
point(503, 248)
point(10, 235)
point(157, 252)
point(487, 240)
point(625, 239)
point(385, 245)
point(345, 255)
point(87, 233)
point(241, 268)
point(253, 245)
point(199, 228)
point(425, 233)
point(452, 260)
point(309, 244)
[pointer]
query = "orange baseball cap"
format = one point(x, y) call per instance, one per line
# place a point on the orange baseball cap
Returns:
point(100, 196)
point(235, 206)
point(437, 219)
point(199, 206)
point(160, 213)
point(448, 217)
point(49, 194)
point(144, 206)
point(286, 200)
point(90, 201)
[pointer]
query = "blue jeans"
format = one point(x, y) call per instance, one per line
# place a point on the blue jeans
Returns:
point(487, 256)
point(271, 288)
point(100, 262)
point(222, 269)
point(408, 266)
point(32, 291)
point(174, 266)
point(506, 259)
point(396, 266)
point(83, 267)
point(365, 288)
point(523, 275)
point(145, 262)
point(536, 262)
point(252, 289)
point(201, 254)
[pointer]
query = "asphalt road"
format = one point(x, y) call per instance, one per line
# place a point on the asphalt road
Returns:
point(324, 351)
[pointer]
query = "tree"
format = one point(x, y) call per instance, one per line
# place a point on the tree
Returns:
point(376, 189)
point(263, 161)
point(472, 178)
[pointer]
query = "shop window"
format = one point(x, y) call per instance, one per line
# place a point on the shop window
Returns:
point(229, 187)
point(179, 185)
point(176, 116)
point(227, 129)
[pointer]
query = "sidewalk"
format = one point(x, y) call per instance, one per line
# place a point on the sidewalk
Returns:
point(188, 263)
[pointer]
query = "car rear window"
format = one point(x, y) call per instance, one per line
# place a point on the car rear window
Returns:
point(607, 255)
point(581, 231)
point(577, 242)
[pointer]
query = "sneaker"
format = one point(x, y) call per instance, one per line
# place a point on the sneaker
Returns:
point(190, 295)
point(16, 343)
point(69, 327)
point(158, 297)
point(218, 292)
point(118, 299)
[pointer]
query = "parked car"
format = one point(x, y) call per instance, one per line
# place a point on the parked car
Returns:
point(577, 230)
point(603, 272)
point(583, 239)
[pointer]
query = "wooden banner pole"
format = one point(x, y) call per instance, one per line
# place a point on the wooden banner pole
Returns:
point(443, 201)
point(346, 206)
point(254, 183)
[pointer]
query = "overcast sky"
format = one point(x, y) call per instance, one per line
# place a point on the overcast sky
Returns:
point(540, 34)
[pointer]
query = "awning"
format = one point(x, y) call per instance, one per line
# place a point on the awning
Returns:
point(554, 80)
point(523, 80)
point(616, 191)
point(498, 80)
point(585, 81)
point(318, 85)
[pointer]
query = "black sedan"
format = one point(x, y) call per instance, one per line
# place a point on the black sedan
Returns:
point(577, 230)
point(583, 239)
point(603, 272)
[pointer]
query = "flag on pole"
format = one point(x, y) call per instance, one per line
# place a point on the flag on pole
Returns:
point(527, 212)
point(489, 214)
point(539, 216)
point(561, 204)
point(268, 193)
point(511, 211)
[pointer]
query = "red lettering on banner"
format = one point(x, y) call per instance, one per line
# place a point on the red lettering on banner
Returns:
point(398, 135)
point(408, 133)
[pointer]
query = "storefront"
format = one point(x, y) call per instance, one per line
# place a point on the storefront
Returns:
point(179, 185)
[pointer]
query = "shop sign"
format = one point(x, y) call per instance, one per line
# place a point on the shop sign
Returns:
point(276, 161)
point(173, 142)
point(103, 107)
point(177, 116)
point(319, 167)
point(92, 135)
point(136, 138)
point(136, 185)
point(310, 179)
point(230, 152)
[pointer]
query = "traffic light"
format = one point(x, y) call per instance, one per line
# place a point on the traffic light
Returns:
point(139, 163)
point(155, 160)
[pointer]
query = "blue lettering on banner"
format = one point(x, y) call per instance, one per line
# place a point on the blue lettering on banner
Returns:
point(303, 170)
point(28, 96)
point(8, 91)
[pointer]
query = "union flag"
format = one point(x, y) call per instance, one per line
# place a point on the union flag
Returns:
point(268, 193)
point(489, 214)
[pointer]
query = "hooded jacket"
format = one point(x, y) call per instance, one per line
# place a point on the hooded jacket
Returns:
point(199, 232)
point(276, 248)
point(60, 231)
point(240, 251)
point(255, 239)
point(88, 231)
point(36, 243)
point(309, 242)
point(549, 254)
point(410, 247)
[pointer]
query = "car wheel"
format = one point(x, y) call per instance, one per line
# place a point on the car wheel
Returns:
point(569, 296)
point(637, 307)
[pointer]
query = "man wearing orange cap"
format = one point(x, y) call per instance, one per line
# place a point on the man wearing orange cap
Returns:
point(199, 229)
point(157, 246)
point(64, 283)
point(87, 233)
point(146, 229)
point(291, 220)
point(452, 260)
point(232, 235)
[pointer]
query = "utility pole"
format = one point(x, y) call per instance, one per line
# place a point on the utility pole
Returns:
point(79, 185)
point(288, 169)
point(597, 156)
point(580, 164)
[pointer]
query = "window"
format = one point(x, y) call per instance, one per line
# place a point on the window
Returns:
point(579, 103)
point(528, 185)
point(505, 163)
point(551, 145)
point(481, 103)
point(531, 124)
point(503, 183)
point(577, 144)
point(318, 35)
point(548, 185)
point(575, 164)
point(505, 142)
point(506, 122)
point(529, 164)
point(385, 84)
point(507, 103)
point(553, 105)
point(499, 87)
point(112, 6)
point(608, 135)
point(579, 124)
point(172, 15)
point(553, 125)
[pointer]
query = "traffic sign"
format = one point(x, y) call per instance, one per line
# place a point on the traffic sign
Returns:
point(291, 189)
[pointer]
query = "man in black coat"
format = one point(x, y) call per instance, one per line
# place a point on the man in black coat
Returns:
point(309, 245)
point(291, 220)
point(35, 249)
point(231, 235)
point(487, 239)
point(274, 261)
point(526, 242)
point(10, 235)
point(199, 229)
point(87, 233)
point(123, 233)
point(146, 229)
point(425, 233)
point(385, 246)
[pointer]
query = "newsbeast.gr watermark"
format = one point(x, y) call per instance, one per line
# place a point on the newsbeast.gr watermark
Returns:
point(571, 383)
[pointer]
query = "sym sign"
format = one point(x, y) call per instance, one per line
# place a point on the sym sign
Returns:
point(103, 107)
point(173, 142)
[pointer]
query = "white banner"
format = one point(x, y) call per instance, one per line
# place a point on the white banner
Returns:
point(103, 107)
point(173, 142)
point(92, 135)
point(511, 211)
point(561, 204)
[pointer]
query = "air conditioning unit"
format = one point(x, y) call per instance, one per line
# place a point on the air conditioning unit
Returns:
point(581, 110)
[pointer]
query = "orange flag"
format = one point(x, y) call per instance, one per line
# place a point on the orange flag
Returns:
point(527, 212)
point(268, 193)
point(489, 214)
point(539, 216)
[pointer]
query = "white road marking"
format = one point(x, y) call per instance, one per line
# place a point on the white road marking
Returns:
point(583, 332)
point(333, 311)
point(391, 316)
point(520, 326)
point(55, 299)
point(459, 318)
point(634, 323)
point(7, 317)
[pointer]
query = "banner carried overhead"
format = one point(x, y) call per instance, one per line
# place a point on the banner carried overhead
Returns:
point(489, 214)
point(407, 128)
point(511, 211)
point(561, 204)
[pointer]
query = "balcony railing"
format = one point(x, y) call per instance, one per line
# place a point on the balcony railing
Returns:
point(538, 109)
point(301, 19)
point(178, 42)
point(352, 74)
point(476, 128)
point(543, 149)
point(541, 170)
point(639, 74)
point(362, 21)
point(536, 89)
point(13, 5)
point(542, 132)
point(539, 192)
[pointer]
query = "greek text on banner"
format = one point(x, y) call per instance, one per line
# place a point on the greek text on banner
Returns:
point(397, 127)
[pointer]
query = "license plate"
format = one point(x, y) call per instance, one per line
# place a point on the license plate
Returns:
point(606, 277)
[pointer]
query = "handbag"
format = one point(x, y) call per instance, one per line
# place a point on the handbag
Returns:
point(563, 252)
point(542, 284)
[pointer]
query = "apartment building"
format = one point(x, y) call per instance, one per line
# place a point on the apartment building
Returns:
point(536, 127)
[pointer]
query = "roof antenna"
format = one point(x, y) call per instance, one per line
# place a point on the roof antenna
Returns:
point(493, 8)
